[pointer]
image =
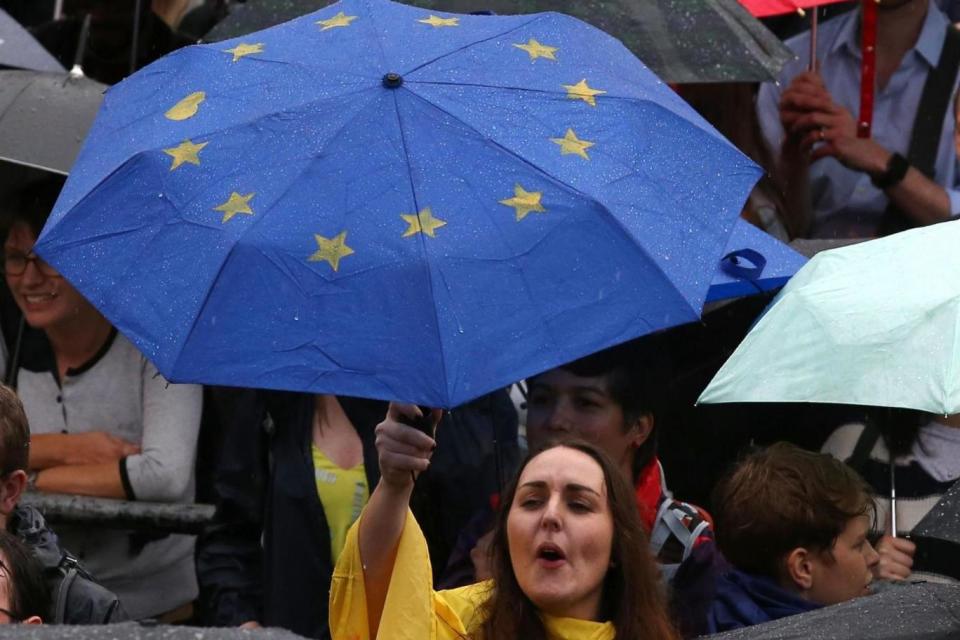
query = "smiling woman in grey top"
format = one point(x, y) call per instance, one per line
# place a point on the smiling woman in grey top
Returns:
point(103, 423)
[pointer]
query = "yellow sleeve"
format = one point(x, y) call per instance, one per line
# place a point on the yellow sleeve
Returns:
point(413, 610)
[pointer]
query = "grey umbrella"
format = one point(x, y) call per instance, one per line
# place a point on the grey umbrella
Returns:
point(937, 537)
point(19, 49)
point(917, 611)
point(44, 117)
point(682, 41)
point(146, 630)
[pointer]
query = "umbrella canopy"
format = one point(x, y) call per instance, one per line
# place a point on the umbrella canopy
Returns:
point(870, 324)
point(753, 262)
point(679, 40)
point(380, 201)
point(44, 117)
point(19, 49)
point(919, 611)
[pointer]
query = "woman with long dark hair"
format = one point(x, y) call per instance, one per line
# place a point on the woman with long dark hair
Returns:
point(570, 556)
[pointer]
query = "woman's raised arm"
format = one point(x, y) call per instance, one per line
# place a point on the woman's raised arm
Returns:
point(403, 452)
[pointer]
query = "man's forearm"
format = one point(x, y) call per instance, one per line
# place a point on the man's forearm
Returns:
point(794, 168)
point(99, 480)
point(920, 198)
point(49, 450)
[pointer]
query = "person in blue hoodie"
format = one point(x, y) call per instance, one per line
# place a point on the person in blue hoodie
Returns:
point(793, 526)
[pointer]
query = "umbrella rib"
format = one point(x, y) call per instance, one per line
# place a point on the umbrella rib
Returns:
point(951, 376)
point(537, 18)
point(556, 180)
point(13, 102)
point(423, 246)
point(549, 92)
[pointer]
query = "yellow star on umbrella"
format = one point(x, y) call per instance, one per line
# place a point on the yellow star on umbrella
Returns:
point(570, 143)
point(244, 49)
point(185, 152)
point(583, 91)
point(330, 250)
point(235, 204)
point(339, 20)
point(422, 222)
point(537, 50)
point(187, 107)
point(436, 22)
point(524, 202)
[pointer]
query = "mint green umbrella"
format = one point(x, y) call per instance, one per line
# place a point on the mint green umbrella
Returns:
point(869, 324)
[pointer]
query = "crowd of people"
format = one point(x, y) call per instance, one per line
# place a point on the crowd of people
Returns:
point(540, 511)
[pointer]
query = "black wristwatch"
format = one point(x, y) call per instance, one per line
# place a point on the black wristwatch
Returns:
point(896, 169)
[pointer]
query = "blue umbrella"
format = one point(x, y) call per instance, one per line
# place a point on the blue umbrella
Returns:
point(381, 201)
point(753, 262)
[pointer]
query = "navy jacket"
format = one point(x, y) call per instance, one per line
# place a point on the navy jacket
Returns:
point(742, 600)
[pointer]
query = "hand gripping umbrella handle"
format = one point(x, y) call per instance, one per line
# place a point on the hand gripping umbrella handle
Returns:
point(422, 424)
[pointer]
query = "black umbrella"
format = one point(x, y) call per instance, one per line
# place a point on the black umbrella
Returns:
point(917, 611)
point(937, 537)
point(146, 630)
point(19, 49)
point(682, 41)
point(44, 117)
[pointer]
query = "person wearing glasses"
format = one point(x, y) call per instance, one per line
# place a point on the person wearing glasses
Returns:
point(104, 422)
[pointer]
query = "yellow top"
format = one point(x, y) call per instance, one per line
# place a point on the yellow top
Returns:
point(413, 610)
point(343, 493)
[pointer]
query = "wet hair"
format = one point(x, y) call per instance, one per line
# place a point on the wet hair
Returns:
point(14, 433)
point(633, 598)
point(28, 592)
point(634, 373)
point(30, 204)
point(782, 498)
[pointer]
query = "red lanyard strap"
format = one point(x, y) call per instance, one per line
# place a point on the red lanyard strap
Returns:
point(868, 69)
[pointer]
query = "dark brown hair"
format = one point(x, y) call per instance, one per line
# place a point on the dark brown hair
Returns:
point(28, 591)
point(30, 204)
point(14, 433)
point(781, 498)
point(633, 598)
point(634, 373)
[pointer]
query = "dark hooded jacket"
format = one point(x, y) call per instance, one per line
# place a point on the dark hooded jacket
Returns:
point(744, 599)
point(75, 597)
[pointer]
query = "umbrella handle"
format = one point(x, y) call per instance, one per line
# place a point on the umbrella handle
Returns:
point(745, 264)
point(893, 498)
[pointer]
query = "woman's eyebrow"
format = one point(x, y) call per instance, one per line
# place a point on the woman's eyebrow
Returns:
point(534, 484)
point(580, 488)
point(571, 487)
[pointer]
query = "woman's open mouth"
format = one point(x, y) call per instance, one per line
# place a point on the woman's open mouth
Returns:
point(550, 556)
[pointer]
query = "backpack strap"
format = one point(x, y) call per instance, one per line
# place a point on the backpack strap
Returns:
point(934, 102)
point(678, 520)
point(928, 122)
point(63, 590)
